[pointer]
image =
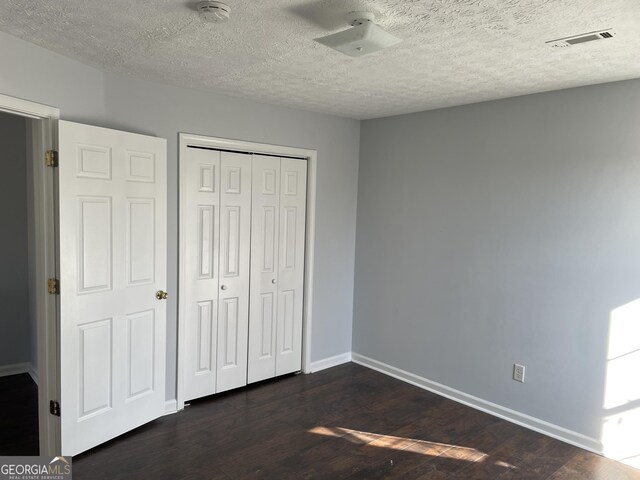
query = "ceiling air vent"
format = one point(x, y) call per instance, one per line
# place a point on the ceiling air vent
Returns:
point(582, 38)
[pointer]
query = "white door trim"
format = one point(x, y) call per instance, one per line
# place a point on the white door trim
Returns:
point(186, 139)
point(44, 137)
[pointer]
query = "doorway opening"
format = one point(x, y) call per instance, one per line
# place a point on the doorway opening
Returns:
point(28, 313)
point(18, 326)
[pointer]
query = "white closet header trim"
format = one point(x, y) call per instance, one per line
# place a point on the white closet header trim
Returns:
point(246, 152)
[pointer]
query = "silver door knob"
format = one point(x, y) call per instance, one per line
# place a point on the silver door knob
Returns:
point(273, 280)
point(160, 295)
point(223, 287)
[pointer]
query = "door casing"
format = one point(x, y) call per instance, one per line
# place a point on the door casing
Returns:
point(186, 140)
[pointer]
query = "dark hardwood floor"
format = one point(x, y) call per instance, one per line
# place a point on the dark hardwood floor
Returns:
point(347, 422)
point(18, 415)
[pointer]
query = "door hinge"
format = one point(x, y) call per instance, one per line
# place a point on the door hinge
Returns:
point(51, 158)
point(53, 286)
point(54, 408)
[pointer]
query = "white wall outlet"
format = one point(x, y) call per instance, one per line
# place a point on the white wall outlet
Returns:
point(518, 372)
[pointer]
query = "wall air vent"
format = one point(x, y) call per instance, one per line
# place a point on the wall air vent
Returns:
point(582, 38)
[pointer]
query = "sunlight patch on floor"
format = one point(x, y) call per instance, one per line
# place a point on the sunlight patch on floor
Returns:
point(413, 445)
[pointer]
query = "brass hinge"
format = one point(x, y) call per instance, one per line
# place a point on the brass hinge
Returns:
point(53, 286)
point(51, 158)
point(54, 408)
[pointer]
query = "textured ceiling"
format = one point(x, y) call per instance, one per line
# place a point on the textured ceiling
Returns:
point(454, 51)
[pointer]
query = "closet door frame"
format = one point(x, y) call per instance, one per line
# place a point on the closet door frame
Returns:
point(187, 140)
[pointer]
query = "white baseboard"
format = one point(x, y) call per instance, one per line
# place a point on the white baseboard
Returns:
point(14, 369)
point(330, 362)
point(33, 373)
point(540, 426)
point(170, 406)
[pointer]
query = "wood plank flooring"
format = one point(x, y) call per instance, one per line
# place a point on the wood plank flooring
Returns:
point(18, 415)
point(347, 422)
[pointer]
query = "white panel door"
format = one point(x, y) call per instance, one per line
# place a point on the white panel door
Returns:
point(200, 293)
point(112, 214)
point(235, 243)
point(265, 213)
point(293, 197)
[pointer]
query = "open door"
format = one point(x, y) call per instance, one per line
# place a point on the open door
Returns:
point(112, 220)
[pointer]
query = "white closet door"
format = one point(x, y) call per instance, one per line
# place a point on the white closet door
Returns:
point(235, 243)
point(200, 294)
point(112, 213)
point(293, 196)
point(265, 214)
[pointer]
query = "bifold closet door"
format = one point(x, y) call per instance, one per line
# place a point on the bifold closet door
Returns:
point(277, 266)
point(265, 214)
point(235, 245)
point(216, 271)
point(202, 247)
point(293, 205)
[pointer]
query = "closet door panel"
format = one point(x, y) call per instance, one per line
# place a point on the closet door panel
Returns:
point(202, 244)
point(264, 267)
point(235, 243)
point(291, 244)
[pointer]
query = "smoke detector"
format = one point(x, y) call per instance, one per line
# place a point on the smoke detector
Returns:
point(213, 12)
point(362, 38)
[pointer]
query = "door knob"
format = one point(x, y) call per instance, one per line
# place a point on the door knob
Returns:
point(223, 287)
point(273, 280)
point(160, 295)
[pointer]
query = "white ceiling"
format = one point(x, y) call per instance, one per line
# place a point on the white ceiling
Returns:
point(454, 51)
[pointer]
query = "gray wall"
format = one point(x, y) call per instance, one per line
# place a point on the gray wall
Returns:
point(15, 343)
point(503, 232)
point(87, 95)
point(35, 74)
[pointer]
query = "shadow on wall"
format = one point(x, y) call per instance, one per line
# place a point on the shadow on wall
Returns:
point(621, 408)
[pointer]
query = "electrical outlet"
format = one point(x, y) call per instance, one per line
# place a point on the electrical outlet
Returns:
point(518, 372)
